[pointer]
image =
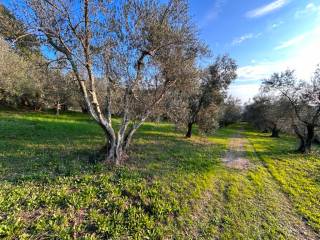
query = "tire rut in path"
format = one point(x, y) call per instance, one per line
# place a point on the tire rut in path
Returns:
point(236, 156)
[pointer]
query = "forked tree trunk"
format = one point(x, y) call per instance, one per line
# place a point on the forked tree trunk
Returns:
point(117, 146)
point(115, 151)
point(189, 132)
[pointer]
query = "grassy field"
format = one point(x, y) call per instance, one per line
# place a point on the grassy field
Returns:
point(171, 188)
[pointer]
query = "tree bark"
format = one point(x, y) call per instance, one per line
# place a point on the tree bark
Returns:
point(306, 141)
point(310, 137)
point(117, 148)
point(58, 106)
point(275, 133)
point(189, 132)
point(302, 146)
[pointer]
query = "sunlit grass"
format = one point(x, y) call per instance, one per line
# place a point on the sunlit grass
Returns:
point(171, 187)
point(298, 175)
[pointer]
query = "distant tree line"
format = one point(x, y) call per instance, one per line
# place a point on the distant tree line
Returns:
point(28, 80)
point(289, 105)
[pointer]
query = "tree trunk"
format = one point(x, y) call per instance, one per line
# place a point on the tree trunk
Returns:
point(306, 141)
point(58, 107)
point(275, 132)
point(189, 132)
point(64, 107)
point(84, 109)
point(113, 153)
point(302, 146)
point(117, 149)
point(310, 137)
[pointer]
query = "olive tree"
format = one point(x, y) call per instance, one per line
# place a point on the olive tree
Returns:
point(141, 49)
point(15, 33)
point(268, 113)
point(230, 111)
point(304, 98)
point(60, 90)
point(21, 81)
point(209, 91)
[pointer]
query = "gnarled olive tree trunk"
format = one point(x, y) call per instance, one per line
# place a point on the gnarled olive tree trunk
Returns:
point(306, 139)
point(189, 132)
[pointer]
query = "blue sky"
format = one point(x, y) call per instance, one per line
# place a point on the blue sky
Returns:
point(263, 36)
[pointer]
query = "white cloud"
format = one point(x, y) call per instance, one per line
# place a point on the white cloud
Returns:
point(255, 72)
point(244, 92)
point(243, 38)
point(310, 8)
point(291, 42)
point(266, 9)
point(303, 61)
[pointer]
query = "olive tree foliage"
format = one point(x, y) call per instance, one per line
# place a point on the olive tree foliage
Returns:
point(268, 113)
point(27, 82)
point(176, 108)
point(27, 78)
point(175, 105)
point(230, 111)
point(20, 80)
point(140, 49)
point(14, 32)
point(60, 91)
point(304, 98)
point(208, 93)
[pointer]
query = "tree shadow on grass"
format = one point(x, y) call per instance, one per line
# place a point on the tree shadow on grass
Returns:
point(166, 155)
point(35, 150)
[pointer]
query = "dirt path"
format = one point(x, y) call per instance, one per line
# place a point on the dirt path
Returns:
point(236, 156)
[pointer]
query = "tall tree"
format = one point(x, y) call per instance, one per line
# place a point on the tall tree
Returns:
point(230, 111)
point(304, 98)
point(210, 90)
point(143, 48)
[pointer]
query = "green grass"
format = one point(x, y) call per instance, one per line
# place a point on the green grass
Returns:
point(298, 175)
point(171, 187)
